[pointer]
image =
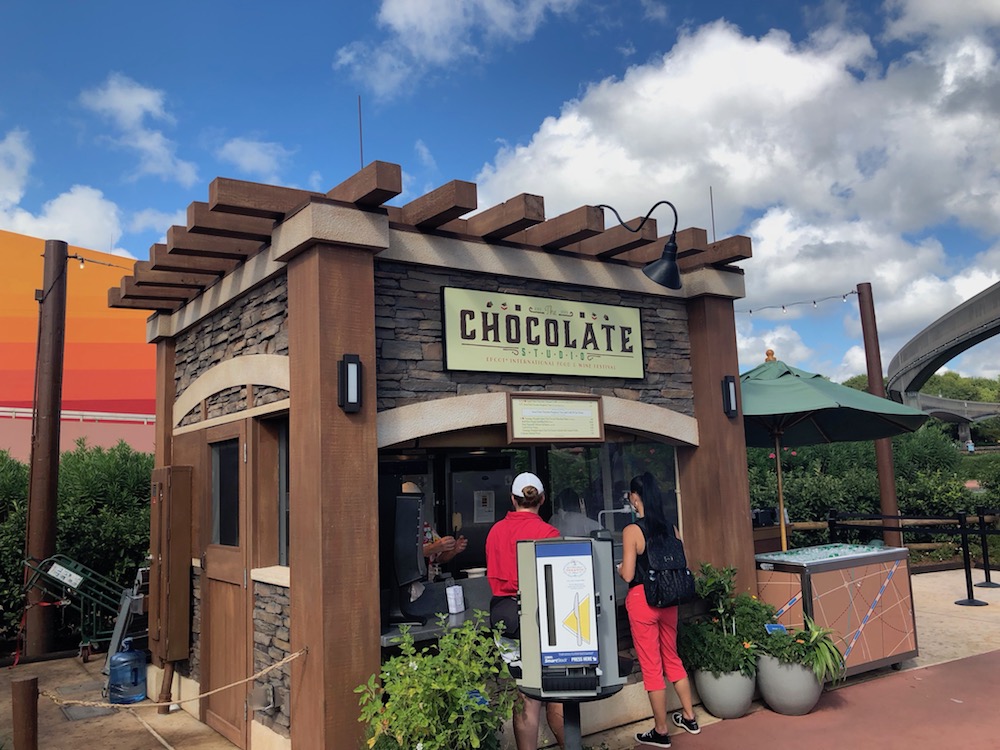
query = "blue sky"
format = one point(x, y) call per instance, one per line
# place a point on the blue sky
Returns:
point(852, 141)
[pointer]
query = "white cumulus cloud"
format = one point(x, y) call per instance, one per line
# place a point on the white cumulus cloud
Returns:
point(842, 168)
point(129, 105)
point(262, 160)
point(423, 35)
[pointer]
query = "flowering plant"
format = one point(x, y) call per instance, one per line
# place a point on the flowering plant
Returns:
point(456, 693)
point(727, 638)
point(812, 646)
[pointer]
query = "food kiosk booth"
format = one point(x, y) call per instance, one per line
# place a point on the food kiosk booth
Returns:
point(316, 351)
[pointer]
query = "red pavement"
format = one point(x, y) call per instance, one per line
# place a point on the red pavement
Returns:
point(950, 705)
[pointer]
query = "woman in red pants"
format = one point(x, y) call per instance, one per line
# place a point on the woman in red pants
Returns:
point(654, 630)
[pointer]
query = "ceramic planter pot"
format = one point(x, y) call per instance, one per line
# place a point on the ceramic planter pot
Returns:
point(789, 689)
point(727, 696)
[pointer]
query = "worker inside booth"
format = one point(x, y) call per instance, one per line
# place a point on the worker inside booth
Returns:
point(465, 491)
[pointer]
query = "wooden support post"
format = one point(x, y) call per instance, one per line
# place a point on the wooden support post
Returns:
point(44, 473)
point(24, 706)
point(883, 447)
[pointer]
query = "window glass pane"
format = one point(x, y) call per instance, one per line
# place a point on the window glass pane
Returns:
point(283, 493)
point(588, 483)
point(226, 493)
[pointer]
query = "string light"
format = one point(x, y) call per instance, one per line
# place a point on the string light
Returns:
point(784, 307)
point(98, 262)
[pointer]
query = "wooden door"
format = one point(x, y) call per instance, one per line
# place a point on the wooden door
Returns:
point(225, 598)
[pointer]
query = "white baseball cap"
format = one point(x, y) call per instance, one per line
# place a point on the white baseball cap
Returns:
point(527, 479)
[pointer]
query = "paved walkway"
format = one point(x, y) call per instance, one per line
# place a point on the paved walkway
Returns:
point(946, 695)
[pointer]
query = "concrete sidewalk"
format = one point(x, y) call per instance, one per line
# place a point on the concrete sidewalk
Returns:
point(946, 694)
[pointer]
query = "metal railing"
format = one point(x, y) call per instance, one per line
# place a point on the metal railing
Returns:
point(962, 525)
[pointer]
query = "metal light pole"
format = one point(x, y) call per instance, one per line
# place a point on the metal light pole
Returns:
point(883, 447)
point(44, 477)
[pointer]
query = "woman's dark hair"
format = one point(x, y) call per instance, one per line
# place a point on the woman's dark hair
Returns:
point(531, 498)
point(648, 490)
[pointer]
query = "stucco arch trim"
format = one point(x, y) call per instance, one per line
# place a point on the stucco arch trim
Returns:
point(405, 424)
point(250, 369)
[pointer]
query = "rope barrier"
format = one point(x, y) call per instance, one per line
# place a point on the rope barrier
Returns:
point(100, 704)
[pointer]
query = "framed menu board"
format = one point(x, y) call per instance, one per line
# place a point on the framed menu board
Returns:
point(554, 418)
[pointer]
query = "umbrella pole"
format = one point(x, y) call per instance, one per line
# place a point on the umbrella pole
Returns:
point(781, 493)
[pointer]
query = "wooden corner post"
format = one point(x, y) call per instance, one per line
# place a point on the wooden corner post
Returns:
point(333, 476)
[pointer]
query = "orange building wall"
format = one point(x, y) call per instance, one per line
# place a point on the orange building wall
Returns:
point(108, 367)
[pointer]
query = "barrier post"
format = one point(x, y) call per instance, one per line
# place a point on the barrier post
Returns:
point(969, 600)
point(24, 706)
point(985, 547)
point(831, 522)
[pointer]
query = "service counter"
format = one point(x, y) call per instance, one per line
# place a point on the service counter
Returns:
point(477, 594)
point(862, 592)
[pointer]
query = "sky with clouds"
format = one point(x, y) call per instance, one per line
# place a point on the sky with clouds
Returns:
point(852, 141)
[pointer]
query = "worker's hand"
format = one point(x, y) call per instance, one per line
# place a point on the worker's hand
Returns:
point(460, 544)
point(446, 544)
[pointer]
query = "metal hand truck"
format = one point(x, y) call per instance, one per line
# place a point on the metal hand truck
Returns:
point(107, 610)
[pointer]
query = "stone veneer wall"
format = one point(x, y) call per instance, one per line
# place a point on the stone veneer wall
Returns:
point(191, 667)
point(256, 323)
point(409, 341)
point(271, 613)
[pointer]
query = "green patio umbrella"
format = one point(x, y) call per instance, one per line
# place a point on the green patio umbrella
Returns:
point(785, 404)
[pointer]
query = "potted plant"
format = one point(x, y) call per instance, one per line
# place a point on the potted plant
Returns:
point(720, 649)
point(794, 667)
point(455, 693)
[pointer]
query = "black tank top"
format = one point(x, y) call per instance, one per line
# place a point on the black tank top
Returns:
point(641, 561)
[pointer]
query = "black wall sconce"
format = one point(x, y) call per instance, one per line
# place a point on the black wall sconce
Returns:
point(349, 383)
point(663, 271)
point(729, 396)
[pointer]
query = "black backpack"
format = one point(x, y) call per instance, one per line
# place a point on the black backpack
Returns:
point(667, 581)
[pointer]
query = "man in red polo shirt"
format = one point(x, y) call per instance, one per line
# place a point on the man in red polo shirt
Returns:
point(523, 523)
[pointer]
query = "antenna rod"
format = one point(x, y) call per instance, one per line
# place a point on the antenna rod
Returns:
point(711, 203)
point(361, 138)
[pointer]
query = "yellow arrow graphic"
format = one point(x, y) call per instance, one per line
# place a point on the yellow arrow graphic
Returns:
point(578, 620)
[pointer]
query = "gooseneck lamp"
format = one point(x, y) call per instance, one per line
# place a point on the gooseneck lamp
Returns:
point(663, 271)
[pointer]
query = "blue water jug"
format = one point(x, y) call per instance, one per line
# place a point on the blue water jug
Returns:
point(127, 680)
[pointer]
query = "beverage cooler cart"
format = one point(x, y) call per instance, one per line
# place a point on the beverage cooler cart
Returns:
point(861, 591)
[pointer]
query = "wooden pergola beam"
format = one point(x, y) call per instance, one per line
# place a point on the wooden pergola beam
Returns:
point(511, 216)
point(161, 261)
point(440, 206)
point(115, 299)
point(131, 290)
point(182, 242)
point(570, 227)
point(145, 275)
point(254, 199)
point(721, 253)
point(690, 241)
point(202, 220)
point(377, 183)
point(616, 240)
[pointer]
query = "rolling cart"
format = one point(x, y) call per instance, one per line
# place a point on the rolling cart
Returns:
point(108, 612)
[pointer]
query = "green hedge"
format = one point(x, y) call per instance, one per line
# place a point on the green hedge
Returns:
point(843, 477)
point(102, 518)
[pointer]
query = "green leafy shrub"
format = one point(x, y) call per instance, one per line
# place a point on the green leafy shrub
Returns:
point(726, 639)
point(812, 646)
point(456, 693)
point(102, 519)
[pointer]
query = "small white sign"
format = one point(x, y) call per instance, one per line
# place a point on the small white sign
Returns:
point(67, 576)
point(484, 504)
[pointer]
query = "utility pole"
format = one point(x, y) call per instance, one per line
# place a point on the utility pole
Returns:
point(44, 477)
point(883, 447)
